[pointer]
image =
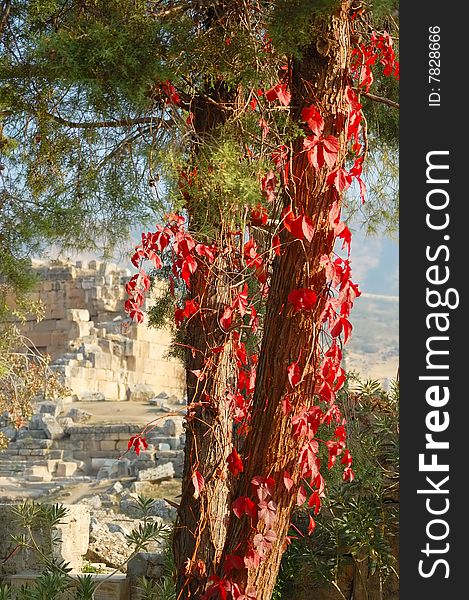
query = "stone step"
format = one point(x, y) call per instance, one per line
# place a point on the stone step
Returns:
point(31, 444)
point(37, 434)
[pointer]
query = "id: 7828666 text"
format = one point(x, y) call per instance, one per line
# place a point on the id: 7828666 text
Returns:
point(434, 65)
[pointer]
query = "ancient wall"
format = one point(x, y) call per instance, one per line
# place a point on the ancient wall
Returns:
point(86, 333)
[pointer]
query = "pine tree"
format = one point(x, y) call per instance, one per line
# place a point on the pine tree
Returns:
point(248, 120)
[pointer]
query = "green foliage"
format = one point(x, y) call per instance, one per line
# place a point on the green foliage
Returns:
point(5, 592)
point(88, 567)
point(48, 586)
point(87, 129)
point(164, 588)
point(359, 520)
point(37, 522)
point(290, 23)
point(86, 587)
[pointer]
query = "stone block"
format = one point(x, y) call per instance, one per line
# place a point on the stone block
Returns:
point(79, 415)
point(51, 465)
point(72, 538)
point(91, 397)
point(102, 360)
point(50, 408)
point(146, 564)
point(56, 454)
point(108, 445)
point(65, 423)
point(140, 392)
point(66, 469)
point(33, 442)
point(113, 469)
point(109, 389)
point(37, 473)
point(9, 432)
point(48, 424)
point(156, 474)
point(174, 426)
point(34, 434)
point(78, 314)
point(117, 488)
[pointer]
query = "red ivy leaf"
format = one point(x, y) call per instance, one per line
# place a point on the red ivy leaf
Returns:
point(311, 526)
point(189, 265)
point(340, 179)
point(301, 496)
point(218, 587)
point(330, 149)
point(199, 483)
point(263, 542)
point(279, 92)
point(235, 464)
point(252, 559)
point(313, 151)
point(248, 594)
point(294, 374)
point(300, 227)
point(264, 486)
point(267, 512)
point(137, 442)
point(259, 215)
point(321, 151)
point(313, 119)
point(233, 561)
point(244, 506)
point(315, 501)
point(346, 458)
point(276, 245)
point(348, 474)
point(287, 480)
point(302, 299)
point(225, 319)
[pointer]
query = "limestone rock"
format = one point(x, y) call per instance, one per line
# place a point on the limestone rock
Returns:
point(146, 564)
point(158, 473)
point(140, 392)
point(9, 432)
point(48, 424)
point(66, 469)
point(50, 408)
point(117, 488)
point(38, 473)
point(109, 548)
point(114, 469)
point(79, 415)
point(173, 427)
point(71, 540)
point(92, 397)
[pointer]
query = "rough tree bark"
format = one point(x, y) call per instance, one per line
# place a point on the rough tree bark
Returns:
point(200, 529)
point(320, 78)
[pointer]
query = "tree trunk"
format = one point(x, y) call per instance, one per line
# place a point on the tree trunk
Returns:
point(320, 79)
point(200, 529)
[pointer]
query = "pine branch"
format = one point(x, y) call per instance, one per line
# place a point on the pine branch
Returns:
point(380, 99)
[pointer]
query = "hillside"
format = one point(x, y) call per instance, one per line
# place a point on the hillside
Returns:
point(373, 350)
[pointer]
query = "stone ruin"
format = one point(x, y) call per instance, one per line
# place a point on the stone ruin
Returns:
point(59, 451)
point(84, 331)
point(88, 536)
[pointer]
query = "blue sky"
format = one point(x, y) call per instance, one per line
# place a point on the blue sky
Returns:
point(375, 264)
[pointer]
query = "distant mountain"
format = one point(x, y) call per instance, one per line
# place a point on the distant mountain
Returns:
point(373, 350)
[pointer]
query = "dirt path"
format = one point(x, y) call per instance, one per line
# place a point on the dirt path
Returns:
point(107, 413)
